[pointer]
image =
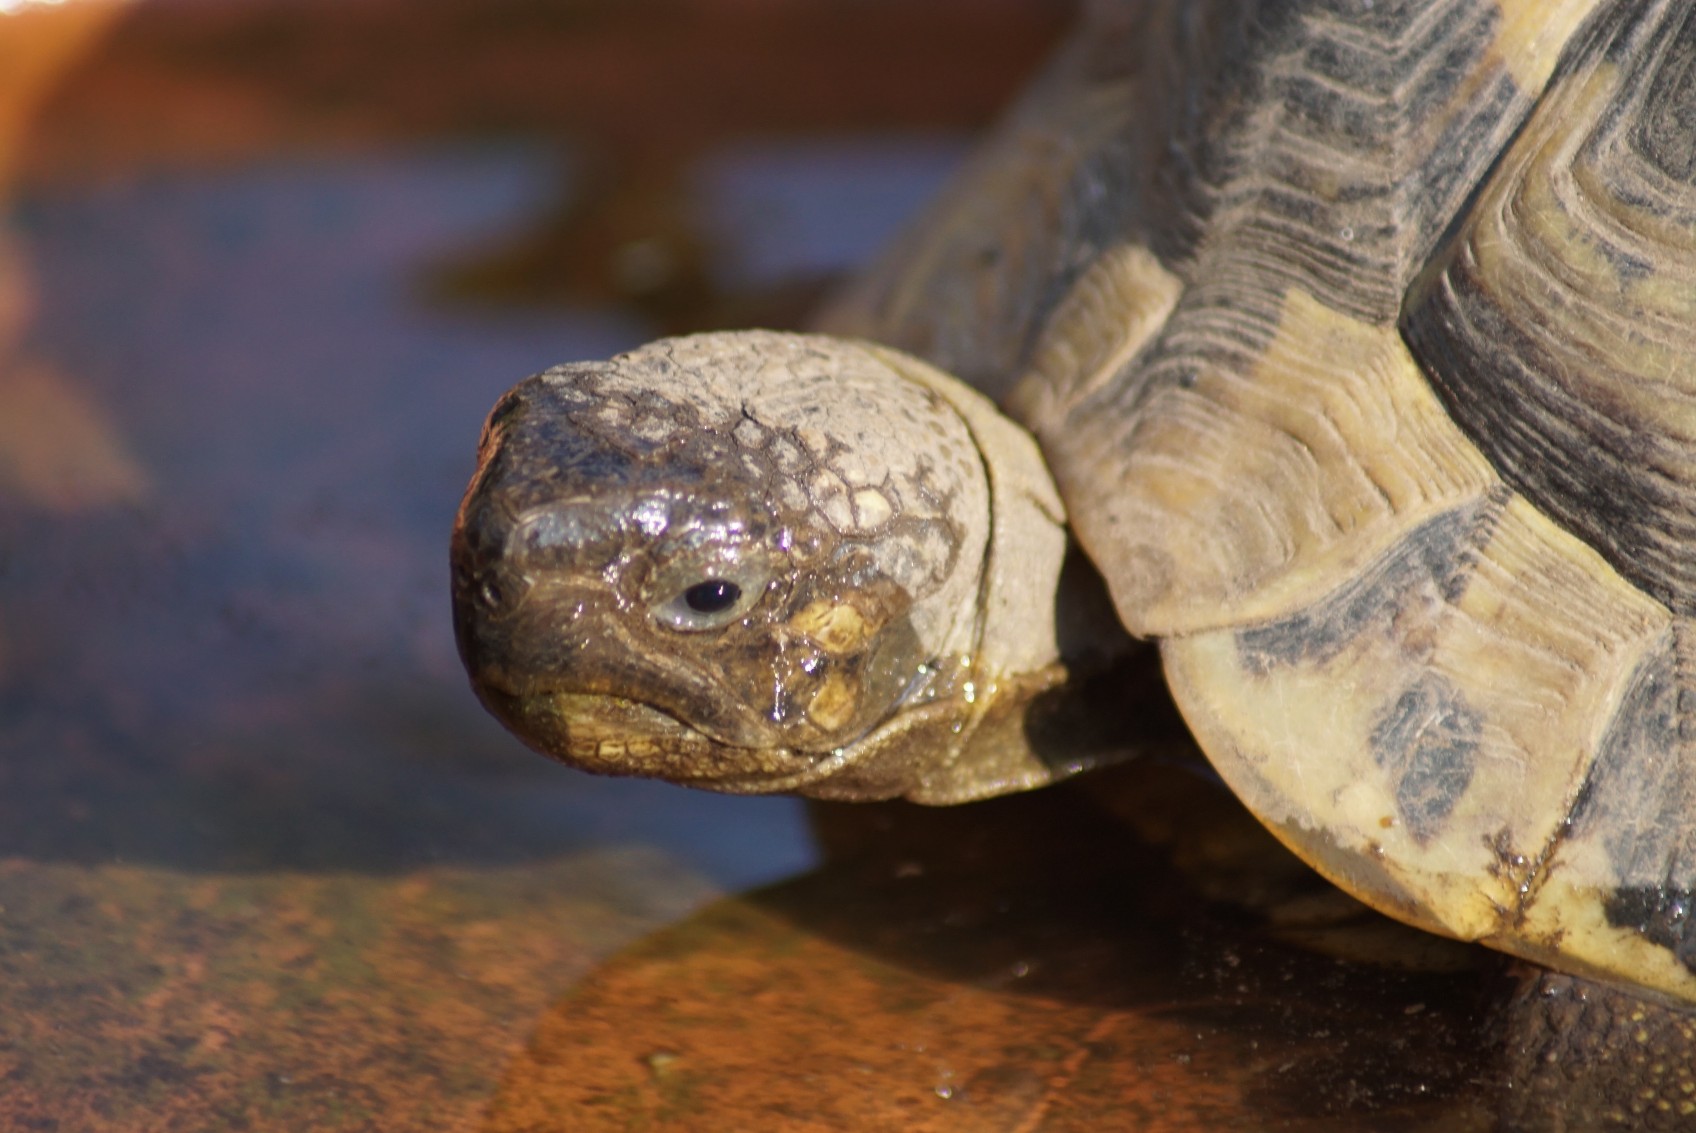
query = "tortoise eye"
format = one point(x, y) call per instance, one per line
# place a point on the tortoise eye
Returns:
point(714, 596)
point(710, 603)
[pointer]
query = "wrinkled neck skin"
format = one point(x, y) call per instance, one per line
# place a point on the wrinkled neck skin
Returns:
point(762, 562)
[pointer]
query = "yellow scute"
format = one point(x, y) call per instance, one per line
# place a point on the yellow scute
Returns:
point(1422, 740)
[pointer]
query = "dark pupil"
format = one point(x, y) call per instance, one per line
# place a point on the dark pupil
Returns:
point(713, 596)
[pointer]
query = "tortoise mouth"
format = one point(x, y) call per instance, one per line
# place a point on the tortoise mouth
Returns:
point(613, 735)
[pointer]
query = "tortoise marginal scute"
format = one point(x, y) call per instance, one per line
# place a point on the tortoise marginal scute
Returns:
point(1662, 915)
point(1639, 798)
point(1448, 737)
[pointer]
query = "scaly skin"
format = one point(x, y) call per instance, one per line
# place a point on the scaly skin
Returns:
point(884, 547)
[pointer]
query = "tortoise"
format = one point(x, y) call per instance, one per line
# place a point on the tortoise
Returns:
point(1352, 342)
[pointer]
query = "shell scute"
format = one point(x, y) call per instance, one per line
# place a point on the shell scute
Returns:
point(1633, 830)
point(1433, 559)
point(1464, 687)
point(1269, 484)
point(1555, 325)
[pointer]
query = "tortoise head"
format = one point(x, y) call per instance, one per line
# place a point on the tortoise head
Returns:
point(751, 562)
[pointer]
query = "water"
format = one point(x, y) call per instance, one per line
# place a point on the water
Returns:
point(252, 652)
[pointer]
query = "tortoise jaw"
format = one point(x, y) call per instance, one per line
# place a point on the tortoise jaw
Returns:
point(612, 735)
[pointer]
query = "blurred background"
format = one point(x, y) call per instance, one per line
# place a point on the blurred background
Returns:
point(264, 265)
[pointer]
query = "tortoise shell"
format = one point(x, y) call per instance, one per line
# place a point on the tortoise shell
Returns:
point(1359, 337)
point(1361, 340)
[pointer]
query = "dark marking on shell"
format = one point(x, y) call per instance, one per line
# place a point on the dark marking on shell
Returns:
point(1666, 133)
point(1430, 565)
point(1639, 798)
point(1333, 162)
point(1662, 915)
point(1428, 742)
